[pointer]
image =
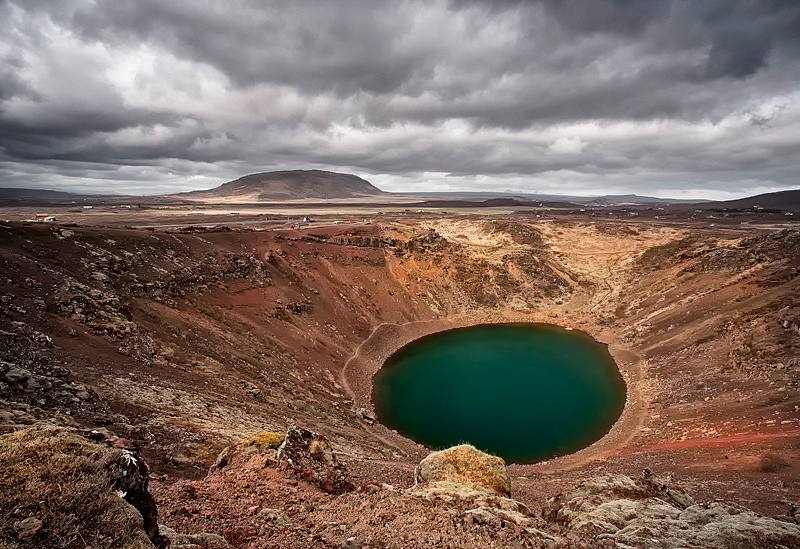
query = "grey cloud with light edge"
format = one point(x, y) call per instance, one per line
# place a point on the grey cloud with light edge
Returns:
point(652, 97)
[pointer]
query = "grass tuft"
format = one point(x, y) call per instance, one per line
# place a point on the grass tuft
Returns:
point(62, 479)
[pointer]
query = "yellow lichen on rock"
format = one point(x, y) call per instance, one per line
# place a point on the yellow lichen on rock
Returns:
point(261, 441)
point(465, 464)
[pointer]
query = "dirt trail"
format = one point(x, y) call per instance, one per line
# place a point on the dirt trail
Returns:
point(719, 440)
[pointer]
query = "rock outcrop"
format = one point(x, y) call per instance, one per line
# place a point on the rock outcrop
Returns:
point(310, 457)
point(653, 513)
point(34, 391)
point(429, 242)
point(779, 246)
point(463, 476)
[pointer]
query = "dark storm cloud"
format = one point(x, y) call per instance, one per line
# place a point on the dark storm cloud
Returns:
point(624, 17)
point(741, 33)
point(354, 47)
point(697, 93)
point(346, 46)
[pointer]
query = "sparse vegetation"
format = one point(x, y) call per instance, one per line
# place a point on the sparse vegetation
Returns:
point(262, 441)
point(658, 255)
point(772, 463)
point(64, 481)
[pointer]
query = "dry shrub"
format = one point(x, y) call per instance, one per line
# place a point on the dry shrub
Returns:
point(62, 479)
point(263, 440)
point(259, 443)
point(772, 463)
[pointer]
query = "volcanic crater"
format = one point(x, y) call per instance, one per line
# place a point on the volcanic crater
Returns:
point(182, 341)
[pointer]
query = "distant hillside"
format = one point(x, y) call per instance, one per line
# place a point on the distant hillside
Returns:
point(493, 203)
point(34, 195)
point(636, 200)
point(552, 199)
point(780, 200)
point(290, 185)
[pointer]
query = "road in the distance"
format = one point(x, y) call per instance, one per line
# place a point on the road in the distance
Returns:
point(315, 223)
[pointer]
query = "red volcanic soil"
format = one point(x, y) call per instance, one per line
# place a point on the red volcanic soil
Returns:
point(190, 339)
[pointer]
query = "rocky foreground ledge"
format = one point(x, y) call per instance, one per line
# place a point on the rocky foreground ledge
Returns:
point(60, 488)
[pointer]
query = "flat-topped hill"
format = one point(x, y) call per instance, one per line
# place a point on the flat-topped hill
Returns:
point(290, 185)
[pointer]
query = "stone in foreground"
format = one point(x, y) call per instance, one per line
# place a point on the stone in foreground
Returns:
point(651, 512)
point(466, 465)
point(310, 457)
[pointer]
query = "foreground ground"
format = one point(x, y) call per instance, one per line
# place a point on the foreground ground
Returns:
point(183, 340)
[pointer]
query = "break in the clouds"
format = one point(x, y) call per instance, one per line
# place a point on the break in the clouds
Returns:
point(655, 97)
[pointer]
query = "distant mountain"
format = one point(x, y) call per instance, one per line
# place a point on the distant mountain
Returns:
point(16, 194)
point(289, 185)
point(494, 203)
point(570, 200)
point(636, 200)
point(780, 200)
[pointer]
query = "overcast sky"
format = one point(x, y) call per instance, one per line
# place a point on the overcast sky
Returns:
point(662, 98)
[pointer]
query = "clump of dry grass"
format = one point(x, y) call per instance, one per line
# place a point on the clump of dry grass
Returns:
point(772, 463)
point(63, 480)
point(263, 440)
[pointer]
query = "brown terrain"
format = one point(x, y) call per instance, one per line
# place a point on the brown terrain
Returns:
point(174, 343)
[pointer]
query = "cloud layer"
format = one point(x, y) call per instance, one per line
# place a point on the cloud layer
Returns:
point(649, 96)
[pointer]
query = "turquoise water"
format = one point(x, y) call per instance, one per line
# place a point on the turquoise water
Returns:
point(525, 392)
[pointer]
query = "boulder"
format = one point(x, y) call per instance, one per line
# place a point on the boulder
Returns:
point(193, 541)
point(28, 528)
point(310, 456)
point(466, 478)
point(466, 465)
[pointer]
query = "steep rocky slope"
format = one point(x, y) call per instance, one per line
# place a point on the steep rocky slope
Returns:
point(184, 341)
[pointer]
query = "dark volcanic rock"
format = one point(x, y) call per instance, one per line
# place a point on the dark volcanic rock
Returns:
point(30, 383)
point(310, 456)
point(427, 243)
point(779, 246)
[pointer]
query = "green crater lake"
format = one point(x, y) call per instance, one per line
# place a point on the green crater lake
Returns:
point(524, 392)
